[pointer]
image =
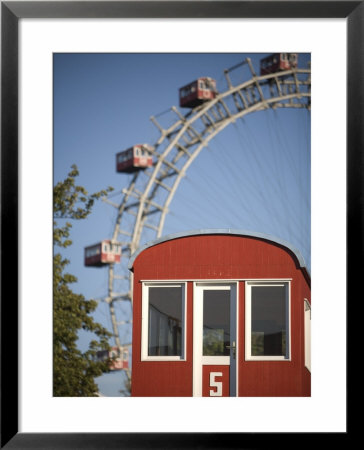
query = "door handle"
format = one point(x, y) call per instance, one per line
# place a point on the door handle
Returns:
point(232, 346)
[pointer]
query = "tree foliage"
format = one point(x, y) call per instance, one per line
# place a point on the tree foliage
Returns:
point(73, 370)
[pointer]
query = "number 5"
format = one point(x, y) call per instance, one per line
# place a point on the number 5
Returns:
point(217, 384)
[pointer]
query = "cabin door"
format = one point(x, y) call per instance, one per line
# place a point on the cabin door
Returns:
point(214, 340)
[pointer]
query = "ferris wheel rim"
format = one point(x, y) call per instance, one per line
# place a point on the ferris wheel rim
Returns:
point(144, 200)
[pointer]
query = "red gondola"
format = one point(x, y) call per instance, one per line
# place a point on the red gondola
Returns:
point(199, 91)
point(105, 252)
point(120, 359)
point(278, 62)
point(138, 157)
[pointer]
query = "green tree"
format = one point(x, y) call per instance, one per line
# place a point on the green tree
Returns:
point(73, 371)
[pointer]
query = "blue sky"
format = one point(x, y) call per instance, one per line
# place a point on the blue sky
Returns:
point(255, 175)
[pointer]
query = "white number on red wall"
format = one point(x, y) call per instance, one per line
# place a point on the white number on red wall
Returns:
point(215, 384)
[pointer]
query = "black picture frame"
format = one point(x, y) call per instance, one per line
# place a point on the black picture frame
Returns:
point(11, 12)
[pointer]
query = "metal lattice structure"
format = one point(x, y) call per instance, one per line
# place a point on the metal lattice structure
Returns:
point(144, 204)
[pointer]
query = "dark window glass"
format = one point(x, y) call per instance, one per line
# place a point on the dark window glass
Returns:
point(216, 322)
point(165, 321)
point(268, 329)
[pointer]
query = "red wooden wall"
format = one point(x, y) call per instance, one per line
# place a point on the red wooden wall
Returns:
point(228, 257)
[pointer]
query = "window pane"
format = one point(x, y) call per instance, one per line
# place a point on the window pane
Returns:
point(268, 331)
point(216, 322)
point(165, 321)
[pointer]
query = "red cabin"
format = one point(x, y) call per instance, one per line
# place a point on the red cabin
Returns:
point(135, 158)
point(197, 92)
point(278, 62)
point(220, 313)
point(105, 252)
point(120, 359)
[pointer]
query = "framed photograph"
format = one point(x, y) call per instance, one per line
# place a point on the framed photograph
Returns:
point(37, 39)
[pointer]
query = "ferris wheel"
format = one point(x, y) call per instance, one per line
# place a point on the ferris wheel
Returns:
point(156, 170)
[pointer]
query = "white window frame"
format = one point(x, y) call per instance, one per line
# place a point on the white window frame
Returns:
point(145, 319)
point(307, 332)
point(248, 286)
point(198, 316)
